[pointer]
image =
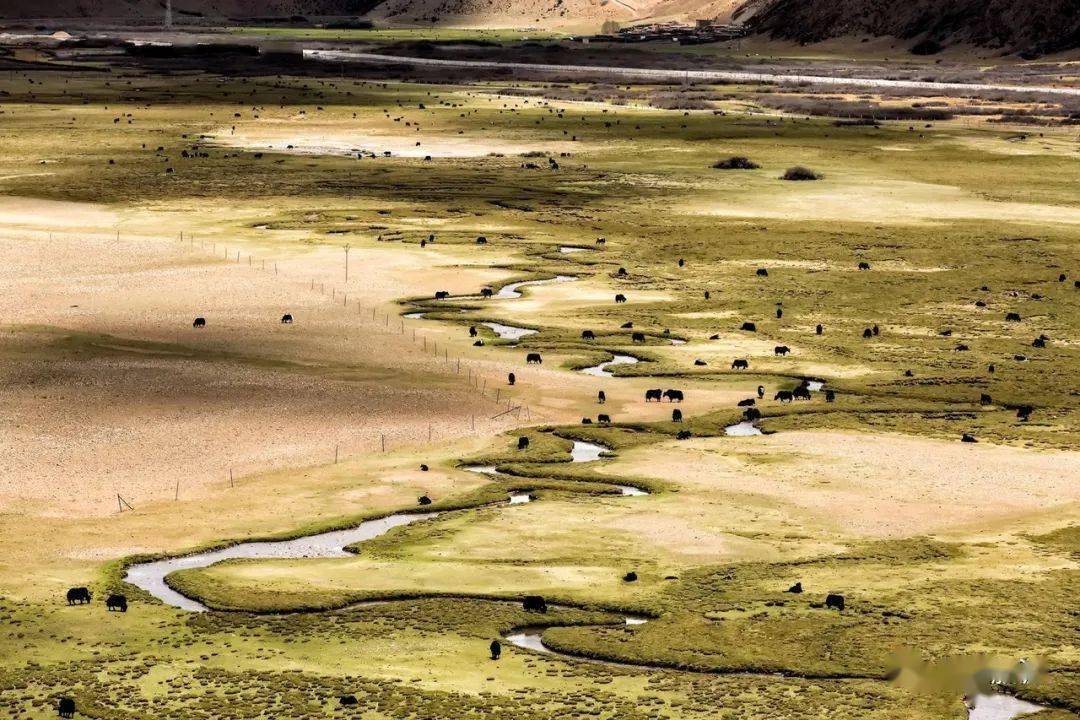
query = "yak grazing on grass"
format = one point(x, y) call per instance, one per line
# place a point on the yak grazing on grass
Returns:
point(78, 596)
point(534, 603)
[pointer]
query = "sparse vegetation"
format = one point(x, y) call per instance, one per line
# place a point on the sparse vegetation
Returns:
point(736, 162)
point(731, 523)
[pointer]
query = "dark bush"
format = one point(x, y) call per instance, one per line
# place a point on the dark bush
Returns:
point(800, 173)
point(736, 162)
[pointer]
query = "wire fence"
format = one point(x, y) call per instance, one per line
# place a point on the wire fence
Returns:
point(496, 408)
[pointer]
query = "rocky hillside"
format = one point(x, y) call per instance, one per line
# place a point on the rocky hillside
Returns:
point(140, 10)
point(583, 13)
point(1027, 26)
point(1030, 26)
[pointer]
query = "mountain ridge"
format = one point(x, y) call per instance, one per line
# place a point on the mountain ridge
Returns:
point(1026, 26)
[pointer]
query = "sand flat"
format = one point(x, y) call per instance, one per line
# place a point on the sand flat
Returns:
point(872, 485)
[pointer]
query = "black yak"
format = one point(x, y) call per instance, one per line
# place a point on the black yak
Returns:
point(534, 603)
point(78, 596)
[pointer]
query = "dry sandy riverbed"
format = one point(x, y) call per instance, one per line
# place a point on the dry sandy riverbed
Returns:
point(108, 389)
point(868, 485)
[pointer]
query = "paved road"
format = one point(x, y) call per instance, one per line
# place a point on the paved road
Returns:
point(680, 75)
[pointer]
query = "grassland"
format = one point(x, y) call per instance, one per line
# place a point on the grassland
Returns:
point(937, 549)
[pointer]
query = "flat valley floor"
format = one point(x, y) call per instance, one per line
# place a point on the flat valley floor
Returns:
point(134, 202)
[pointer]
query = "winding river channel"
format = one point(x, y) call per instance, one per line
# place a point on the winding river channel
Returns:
point(150, 576)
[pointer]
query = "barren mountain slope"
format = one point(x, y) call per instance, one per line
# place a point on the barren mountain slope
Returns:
point(1036, 26)
point(553, 11)
point(481, 12)
point(152, 9)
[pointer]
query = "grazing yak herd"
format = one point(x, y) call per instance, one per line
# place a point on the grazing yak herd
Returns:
point(200, 322)
point(82, 596)
point(660, 395)
point(801, 392)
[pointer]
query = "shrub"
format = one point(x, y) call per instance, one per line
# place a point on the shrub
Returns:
point(736, 162)
point(800, 173)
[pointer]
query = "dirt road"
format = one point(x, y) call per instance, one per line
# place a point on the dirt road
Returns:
point(680, 75)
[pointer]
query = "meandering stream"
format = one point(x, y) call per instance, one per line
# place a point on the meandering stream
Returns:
point(509, 332)
point(513, 290)
point(601, 370)
point(150, 576)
